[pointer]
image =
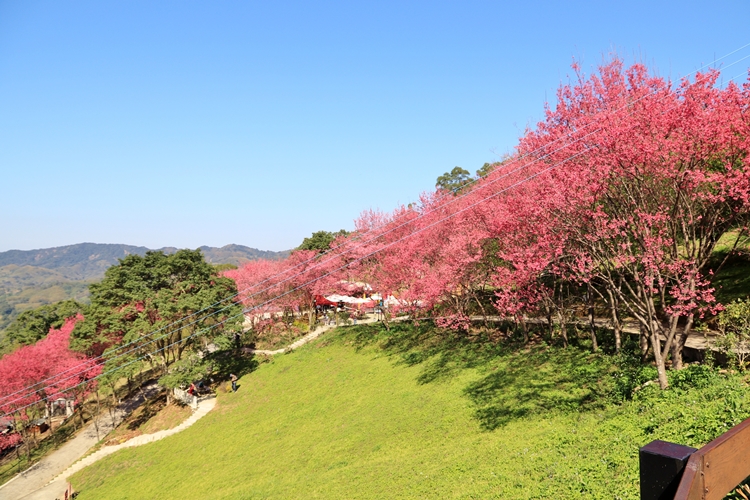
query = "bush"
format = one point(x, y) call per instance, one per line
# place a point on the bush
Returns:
point(629, 375)
point(734, 329)
point(694, 375)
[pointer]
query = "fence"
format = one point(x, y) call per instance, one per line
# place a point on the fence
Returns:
point(672, 471)
point(189, 399)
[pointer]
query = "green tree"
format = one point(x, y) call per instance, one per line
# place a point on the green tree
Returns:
point(321, 240)
point(486, 169)
point(454, 181)
point(734, 330)
point(224, 267)
point(159, 292)
point(33, 325)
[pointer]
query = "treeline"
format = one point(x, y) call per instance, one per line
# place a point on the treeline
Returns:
point(161, 313)
point(615, 202)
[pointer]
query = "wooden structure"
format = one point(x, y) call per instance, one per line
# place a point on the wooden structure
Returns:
point(61, 407)
point(662, 465)
point(711, 472)
point(38, 426)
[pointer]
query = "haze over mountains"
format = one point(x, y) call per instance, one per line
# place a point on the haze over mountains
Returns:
point(88, 261)
point(31, 278)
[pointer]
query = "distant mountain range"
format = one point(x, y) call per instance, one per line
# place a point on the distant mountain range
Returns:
point(88, 261)
point(30, 278)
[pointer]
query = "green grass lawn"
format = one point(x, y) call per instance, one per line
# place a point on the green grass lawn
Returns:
point(412, 413)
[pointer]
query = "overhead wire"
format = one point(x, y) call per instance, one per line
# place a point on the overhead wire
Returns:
point(374, 252)
point(451, 200)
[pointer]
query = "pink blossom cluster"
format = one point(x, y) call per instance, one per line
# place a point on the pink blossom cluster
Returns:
point(35, 375)
point(621, 192)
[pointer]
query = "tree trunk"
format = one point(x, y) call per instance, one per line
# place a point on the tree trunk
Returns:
point(563, 327)
point(618, 337)
point(114, 407)
point(524, 329)
point(660, 367)
point(616, 326)
point(592, 323)
point(386, 318)
point(80, 414)
point(681, 338)
point(679, 343)
point(98, 412)
point(484, 312)
point(643, 342)
point(550, 323)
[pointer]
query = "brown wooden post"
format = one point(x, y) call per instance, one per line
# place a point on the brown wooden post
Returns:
point(661, 468)
point(717, 468)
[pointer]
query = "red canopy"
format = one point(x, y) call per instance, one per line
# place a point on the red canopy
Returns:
point(322, 301)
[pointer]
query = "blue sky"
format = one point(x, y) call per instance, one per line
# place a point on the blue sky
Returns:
point(206, 123)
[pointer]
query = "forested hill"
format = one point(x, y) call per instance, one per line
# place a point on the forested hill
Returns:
point(88, 261)
point(32, 278)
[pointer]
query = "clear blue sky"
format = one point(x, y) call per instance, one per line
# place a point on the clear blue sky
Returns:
point(183, 123)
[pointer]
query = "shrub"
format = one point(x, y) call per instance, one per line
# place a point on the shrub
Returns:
point(734, 329)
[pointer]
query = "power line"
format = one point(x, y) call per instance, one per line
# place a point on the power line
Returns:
point(312, 280)
point(319, 264)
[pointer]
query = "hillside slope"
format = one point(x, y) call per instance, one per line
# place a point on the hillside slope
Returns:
point(371, 414)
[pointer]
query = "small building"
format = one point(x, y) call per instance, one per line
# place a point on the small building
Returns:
point(6, 426)
point(61, 407)
point(38, 426)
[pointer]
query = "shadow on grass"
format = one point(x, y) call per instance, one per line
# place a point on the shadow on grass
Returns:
point(225, 363)
point(540, 380)
point(733, 279)
point(515, 380)
point(150, 409)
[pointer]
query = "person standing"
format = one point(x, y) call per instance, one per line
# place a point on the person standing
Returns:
point(233, 378)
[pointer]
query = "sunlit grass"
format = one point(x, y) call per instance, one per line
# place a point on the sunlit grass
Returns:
point(371, 414)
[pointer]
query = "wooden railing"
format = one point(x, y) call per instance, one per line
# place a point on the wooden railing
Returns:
point(709, 473)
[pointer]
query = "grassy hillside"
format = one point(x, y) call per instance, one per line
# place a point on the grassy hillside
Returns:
point(411, 413)
point(15, 278)
point(26, 287)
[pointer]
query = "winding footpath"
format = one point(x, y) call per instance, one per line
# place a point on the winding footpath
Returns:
point(304, 340)
point(56, 488)
point(48, 479)
point(38, 475)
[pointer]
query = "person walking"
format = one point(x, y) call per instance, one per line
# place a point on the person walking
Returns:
point(193, 395)
point(233, 378)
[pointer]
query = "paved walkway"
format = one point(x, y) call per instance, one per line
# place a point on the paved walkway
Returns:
point(696, 339)
point(307, 338)
point(39, 474)
point(56, 488)
point(47, 480)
